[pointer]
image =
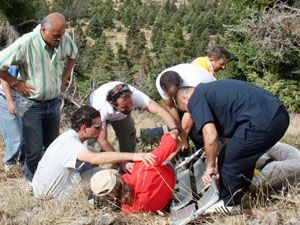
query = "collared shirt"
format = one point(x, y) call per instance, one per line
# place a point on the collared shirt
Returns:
point(38, 67)
point(205, 64)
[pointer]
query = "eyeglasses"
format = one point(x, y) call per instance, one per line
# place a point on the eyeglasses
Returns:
point(97, 126)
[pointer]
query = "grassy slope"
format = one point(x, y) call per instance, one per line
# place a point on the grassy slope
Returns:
point(17, 207)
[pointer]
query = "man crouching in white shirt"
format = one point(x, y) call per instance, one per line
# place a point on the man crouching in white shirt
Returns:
point(54, 177)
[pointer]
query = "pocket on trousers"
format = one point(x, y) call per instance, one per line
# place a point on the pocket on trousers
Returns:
point(22, 105)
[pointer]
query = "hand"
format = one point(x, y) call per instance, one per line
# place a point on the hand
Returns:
point(185, 145)
point(209, 173)
point(11, 107)
point(147, 158)
point(127, 167)
point(22, 88)
point(174, 134)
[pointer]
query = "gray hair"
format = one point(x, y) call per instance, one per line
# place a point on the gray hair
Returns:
point(48, 21)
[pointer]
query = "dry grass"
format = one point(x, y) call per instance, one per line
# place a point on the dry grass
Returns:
point(17, 207)
point(292, 136)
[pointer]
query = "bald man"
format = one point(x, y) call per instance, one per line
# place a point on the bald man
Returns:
point(251, 119)
point(46, 57)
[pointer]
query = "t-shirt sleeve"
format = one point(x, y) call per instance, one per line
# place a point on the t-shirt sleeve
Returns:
point(166, 147)
point(98, 101)
point(140, 100)
point(71, 47)
point(200, 110)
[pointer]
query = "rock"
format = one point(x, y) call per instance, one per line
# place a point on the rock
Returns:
point(272, 218)
point(30, 213)
point(294, 220)
point(83, 220)
point(106, 219)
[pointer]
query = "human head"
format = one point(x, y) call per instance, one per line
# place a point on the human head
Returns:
point(183, 96)
point(170, 82)
point(87, 117)
point(218, 57)
point(108, 184)
point(120, 98)
point(53, 28)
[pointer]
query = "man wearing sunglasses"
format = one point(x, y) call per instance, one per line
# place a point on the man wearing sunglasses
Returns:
point(115, 101)
point(67, 155)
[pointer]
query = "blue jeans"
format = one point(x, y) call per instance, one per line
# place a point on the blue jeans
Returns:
point(41, 126)
point(11, 129)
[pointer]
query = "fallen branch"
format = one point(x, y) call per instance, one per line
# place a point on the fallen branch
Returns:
point(71, 99)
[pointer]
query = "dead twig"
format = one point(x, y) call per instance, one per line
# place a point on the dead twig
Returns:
point(274, 30)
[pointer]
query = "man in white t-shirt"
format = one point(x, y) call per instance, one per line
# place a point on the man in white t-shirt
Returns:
point(54, 177)
point(167, 84)
point(116, 100)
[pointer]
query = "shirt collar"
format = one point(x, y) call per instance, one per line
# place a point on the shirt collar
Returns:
point(209, 64)
point(37, 30)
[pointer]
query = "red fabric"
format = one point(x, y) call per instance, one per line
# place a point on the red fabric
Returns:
point(152, 186)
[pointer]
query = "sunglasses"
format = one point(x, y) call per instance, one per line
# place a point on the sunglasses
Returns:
point(97, 126)
point(124, 89)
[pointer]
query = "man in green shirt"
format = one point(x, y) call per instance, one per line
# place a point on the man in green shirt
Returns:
point(46, 57)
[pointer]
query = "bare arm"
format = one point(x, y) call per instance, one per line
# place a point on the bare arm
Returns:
point(103, 142)
point(186, 124)
point(154, 108)
point(170, 106)
point(18, 85)
point(9, 98)
point(67, 72)
point(211, 146)
point(113, 157)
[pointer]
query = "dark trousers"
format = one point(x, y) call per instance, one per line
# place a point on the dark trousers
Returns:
point(40, 127)
point(237, 159)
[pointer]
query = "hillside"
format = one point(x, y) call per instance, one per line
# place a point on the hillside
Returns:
point(133, 41)
point(18, 207)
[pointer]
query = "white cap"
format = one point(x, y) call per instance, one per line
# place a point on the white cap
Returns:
point(103, 182)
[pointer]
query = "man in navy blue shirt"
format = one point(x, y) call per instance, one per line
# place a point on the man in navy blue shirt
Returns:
point(251, 119)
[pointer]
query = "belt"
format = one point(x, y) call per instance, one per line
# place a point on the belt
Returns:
point(43, 101)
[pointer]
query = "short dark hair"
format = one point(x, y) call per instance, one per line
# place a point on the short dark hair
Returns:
point(119, 91)
point(219, 52)
point(168, 79)
point(84, 116)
